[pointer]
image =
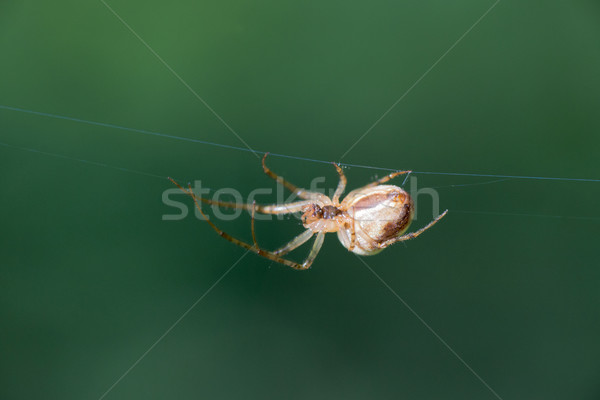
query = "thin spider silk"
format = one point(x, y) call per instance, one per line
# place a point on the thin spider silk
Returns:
point(237, 148)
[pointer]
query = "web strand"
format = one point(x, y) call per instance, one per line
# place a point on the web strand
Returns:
point(226, 146)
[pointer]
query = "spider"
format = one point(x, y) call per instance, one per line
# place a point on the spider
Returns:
point(368, 220)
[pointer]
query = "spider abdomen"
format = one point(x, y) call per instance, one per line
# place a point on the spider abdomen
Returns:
point(380, 214)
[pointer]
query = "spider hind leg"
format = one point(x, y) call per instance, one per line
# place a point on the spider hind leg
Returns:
point(413, 235)
point(387, 178)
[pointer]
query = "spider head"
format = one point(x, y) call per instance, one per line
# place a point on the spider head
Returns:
point(312, 213)
point(321, 218)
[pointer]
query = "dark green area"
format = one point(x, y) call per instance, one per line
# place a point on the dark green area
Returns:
point(91, 277)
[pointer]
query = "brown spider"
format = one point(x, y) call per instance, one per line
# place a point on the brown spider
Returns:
point(368, 220)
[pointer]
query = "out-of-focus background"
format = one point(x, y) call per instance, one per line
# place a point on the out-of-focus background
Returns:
point(91, 275)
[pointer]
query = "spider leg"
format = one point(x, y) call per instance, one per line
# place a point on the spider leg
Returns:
point(386, 178)
point(341, 185)
point(295, 242)
point(413, 235)
point(302, 193)
point(287, 208)
point(253, 248)
point(252, 227)
point(314, 251)
point(352, 235)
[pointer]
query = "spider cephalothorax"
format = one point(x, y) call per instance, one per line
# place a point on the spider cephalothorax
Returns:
point(368, 220)
point(322, 218)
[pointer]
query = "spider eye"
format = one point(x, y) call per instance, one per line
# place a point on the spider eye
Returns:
point(317, 211)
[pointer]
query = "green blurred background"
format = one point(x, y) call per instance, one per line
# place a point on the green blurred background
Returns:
point(91, 276)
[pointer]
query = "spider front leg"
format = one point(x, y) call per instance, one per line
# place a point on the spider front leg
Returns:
point(302, 193)
point(252, 226)
point(287, 208)
point(255, 248)
point(314, 251)
point(341, 185)
point(295, 242)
